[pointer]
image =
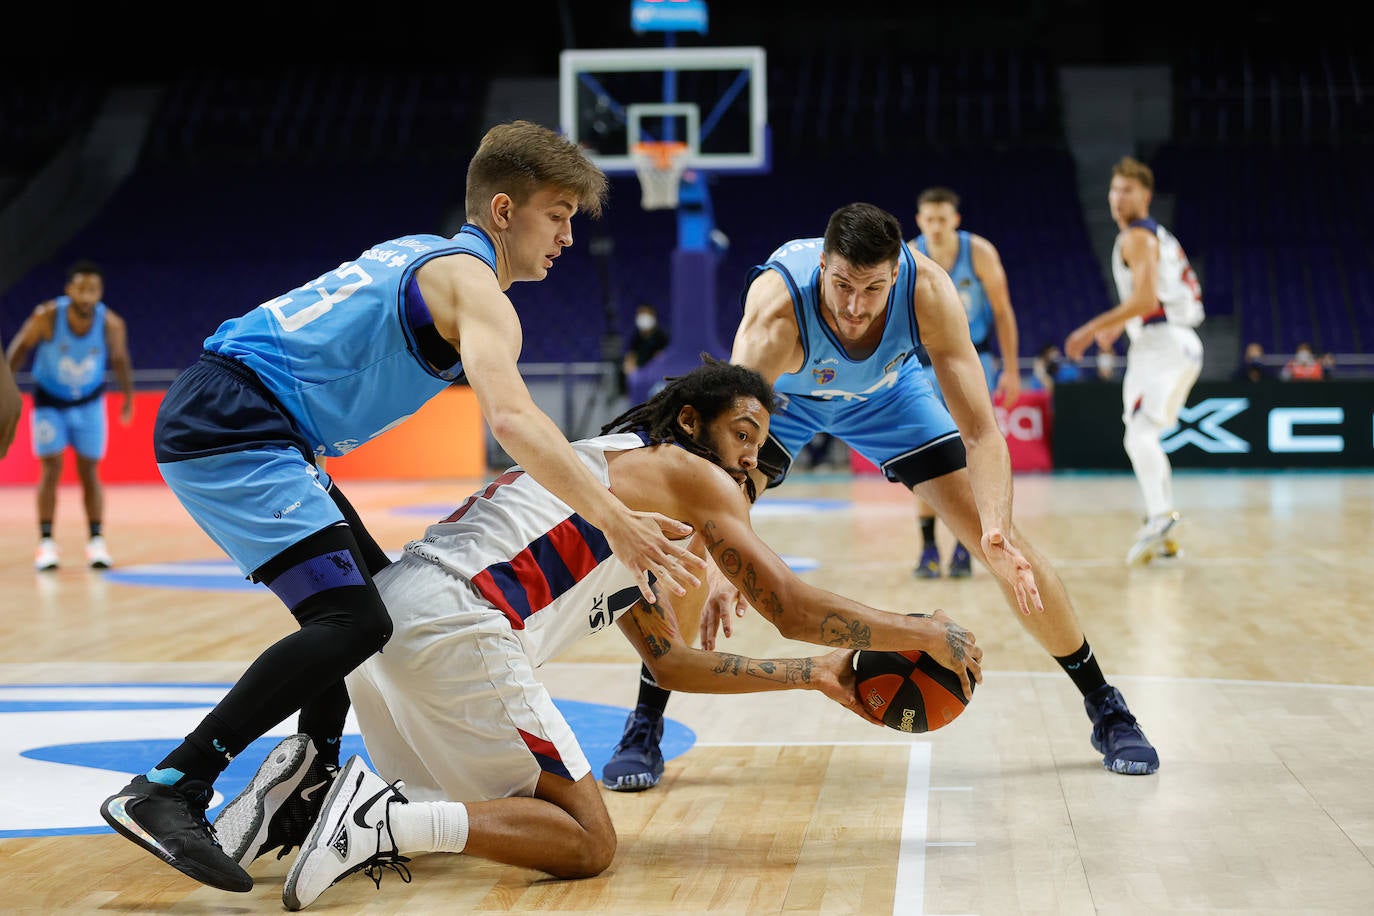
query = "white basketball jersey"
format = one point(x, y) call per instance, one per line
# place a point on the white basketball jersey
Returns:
point(1180, 293)
point(524, 551)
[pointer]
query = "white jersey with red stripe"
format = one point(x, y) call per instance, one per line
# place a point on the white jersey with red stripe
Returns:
point(525, 552)
point(1176, 285)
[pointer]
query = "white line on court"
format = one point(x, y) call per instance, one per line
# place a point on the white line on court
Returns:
point(911, 861)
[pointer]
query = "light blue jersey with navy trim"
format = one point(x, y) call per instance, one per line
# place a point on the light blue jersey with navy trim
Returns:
point(67, 366)
point(882, 406)
point(828, 372)
point(970, 289)
point(340, 352)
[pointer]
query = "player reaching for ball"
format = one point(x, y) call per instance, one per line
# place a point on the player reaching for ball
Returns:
point(849, 327)
point(471, 753)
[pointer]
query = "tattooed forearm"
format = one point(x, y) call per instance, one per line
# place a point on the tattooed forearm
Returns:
point(658, 647)
point(844, 633)
point(744, 575)
point(776, 670)
point(727, 664)
point(781, 670)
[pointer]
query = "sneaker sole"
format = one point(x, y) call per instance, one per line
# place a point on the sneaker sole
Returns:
point(636, 782)
point(961, 573)
point(131, 830)
point(271, 786)
point(1130, 767)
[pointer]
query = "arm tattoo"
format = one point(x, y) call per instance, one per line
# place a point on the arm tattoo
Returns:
point(733, 565)
point(843, 633)
point(727, 664)
point(781, 670)
point(954, 637)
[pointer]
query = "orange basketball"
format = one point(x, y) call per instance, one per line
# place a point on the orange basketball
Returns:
point(909, 691)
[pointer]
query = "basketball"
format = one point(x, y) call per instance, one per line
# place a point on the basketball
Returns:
point(909, 691)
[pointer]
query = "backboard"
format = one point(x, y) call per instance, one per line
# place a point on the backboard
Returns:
point(713, 99)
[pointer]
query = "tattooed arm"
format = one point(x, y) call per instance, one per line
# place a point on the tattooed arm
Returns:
point(689, 488)
point(654, 632)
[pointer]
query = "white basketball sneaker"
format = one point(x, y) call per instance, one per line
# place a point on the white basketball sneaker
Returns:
point(352, 833)
point(45, 558)
point(97, 554)
point(1151, 538)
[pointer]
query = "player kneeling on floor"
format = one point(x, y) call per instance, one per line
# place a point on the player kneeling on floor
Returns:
point(472, 754)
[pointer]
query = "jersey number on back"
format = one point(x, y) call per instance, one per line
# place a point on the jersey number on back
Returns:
point(354, 278)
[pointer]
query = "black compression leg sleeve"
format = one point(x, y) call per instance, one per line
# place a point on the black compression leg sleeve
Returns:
point(342, 621)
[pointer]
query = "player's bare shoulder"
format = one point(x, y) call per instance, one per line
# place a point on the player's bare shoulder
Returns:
point(41, 322)
point(461, 287)
point(670, 479)
point(1138, 242)
point(768, 338)
point(983, 250)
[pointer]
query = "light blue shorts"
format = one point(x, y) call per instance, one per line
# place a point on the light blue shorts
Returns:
point(906, 428)
point(253, 503)
point(84, 428)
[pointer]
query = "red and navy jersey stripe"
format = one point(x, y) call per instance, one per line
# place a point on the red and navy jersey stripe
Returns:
point(546, 753)
point(541, 573)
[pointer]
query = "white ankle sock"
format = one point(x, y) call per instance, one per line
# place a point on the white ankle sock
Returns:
point(430, 826)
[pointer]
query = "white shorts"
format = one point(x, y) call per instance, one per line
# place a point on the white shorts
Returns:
point(1162, 363)
point(451, 705)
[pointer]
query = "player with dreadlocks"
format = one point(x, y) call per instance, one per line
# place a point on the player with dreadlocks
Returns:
point(473, 755)
point(710, 390)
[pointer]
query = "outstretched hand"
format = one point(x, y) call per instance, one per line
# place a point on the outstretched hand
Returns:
point(1012, 566)
point(647, 542)
point(723, 602)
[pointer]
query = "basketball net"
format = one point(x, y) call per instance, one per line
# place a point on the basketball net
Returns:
point(660, 165)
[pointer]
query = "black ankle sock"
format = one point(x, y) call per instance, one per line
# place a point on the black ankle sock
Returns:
point(45, 529)
point(928, 532)
point(95, 529)
point(652, 698)
point(1082, 669)
point(205, 753)
point(322, 718)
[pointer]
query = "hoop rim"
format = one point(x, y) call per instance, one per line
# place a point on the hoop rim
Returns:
point(664, 153)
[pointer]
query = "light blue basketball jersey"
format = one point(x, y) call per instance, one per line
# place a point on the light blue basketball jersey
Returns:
point(340, 352)
point(970, 288)
point(883, 406)
point(67, 366)
point(828, 372)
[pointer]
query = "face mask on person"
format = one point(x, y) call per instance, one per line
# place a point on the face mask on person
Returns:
point(645, 323)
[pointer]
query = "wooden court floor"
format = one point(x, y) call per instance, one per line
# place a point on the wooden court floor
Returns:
point(1250, 664)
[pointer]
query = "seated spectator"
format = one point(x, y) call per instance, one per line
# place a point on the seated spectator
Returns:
point(1252, 367)
point(1304, 365)
point(649, 339)
point(1328, 364)
point(1049, 368)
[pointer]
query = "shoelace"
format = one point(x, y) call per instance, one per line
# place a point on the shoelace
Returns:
point(640, 734)
point(196, 807)
point(1116, 717)
point(391, 859)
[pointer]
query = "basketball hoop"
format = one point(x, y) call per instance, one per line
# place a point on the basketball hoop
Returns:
point(660, 164)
